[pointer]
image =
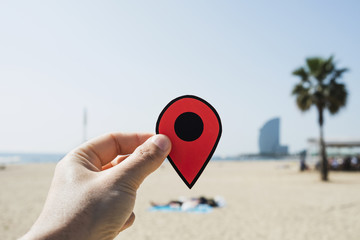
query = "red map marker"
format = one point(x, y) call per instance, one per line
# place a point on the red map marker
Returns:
point(194, 128)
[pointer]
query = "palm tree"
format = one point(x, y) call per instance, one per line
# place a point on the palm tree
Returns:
point(319, 86)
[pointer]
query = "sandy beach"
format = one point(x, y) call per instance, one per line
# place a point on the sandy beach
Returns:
point(265, 200)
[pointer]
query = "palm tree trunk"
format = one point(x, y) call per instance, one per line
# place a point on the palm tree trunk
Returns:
point(324, 162)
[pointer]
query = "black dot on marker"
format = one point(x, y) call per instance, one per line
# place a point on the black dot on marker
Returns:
point(189, 126)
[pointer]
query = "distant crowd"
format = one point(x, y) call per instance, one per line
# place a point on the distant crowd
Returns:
point(349, 163)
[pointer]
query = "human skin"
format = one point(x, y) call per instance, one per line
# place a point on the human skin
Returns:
point(86, 202)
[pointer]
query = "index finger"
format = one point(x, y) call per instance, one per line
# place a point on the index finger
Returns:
point(103, 149)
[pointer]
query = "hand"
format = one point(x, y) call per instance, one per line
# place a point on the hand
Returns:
point(87, 203)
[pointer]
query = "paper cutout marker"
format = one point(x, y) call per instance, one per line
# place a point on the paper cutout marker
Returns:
point(194, 128)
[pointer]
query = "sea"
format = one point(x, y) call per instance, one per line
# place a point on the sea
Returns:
point(21, 158)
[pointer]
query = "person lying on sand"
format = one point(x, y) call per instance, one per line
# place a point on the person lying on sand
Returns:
point(85, 202)
point(188, 203)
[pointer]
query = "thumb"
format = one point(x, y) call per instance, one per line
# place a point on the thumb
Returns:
point(144, 160)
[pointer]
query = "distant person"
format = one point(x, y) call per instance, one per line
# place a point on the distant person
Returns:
point(334, 163)
point(303, 165)
point(86, 203)
point(357, 166)
point(354, 163)
point(347, 163)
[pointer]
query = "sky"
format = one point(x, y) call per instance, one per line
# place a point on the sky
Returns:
point(125, 60)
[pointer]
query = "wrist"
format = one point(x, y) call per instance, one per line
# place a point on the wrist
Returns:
point(48, 231)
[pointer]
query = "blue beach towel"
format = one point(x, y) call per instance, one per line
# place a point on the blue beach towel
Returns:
point(201, 208)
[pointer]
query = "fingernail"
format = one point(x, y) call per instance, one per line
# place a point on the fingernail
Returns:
point(161, 141)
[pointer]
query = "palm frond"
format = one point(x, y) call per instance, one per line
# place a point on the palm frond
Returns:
point(304, 102)
point(338, 73)
point(327, 68)
point(301, 73)
point(299, 89)
point(314, 64)
point(303, 96)
point(336, 97)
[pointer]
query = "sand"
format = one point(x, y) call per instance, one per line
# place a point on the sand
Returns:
point(265, 200)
